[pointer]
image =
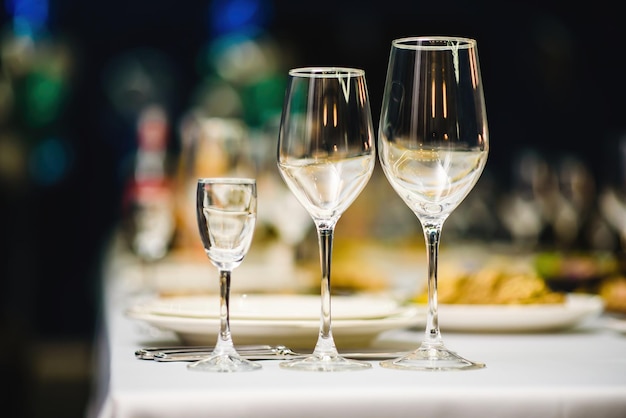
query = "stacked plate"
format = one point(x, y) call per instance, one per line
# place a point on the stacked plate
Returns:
point(291, 320)
point(577, 309)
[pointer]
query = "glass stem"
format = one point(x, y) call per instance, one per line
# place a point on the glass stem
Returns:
point(224, 341)
point(325, 344)
point(432, 335)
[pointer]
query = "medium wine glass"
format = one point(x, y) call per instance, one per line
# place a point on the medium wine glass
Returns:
point(326, 157)
point(433, 146)
point(226, 211)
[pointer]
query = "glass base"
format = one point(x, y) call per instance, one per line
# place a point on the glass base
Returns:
point(431, 358)
point(325, 363)
point(224, 363)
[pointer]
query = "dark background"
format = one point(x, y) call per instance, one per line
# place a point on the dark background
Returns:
point(553, 75)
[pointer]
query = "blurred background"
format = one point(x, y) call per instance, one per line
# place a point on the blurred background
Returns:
point(105, 107)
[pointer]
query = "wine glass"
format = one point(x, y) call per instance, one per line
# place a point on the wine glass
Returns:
point(326, 157)
point(433, 146)
point(226, 211)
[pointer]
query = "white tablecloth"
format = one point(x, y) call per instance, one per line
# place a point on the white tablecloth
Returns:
point(579, 373)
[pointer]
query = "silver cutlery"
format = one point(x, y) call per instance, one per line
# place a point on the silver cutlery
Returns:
point(147, 353)
point(253, 352)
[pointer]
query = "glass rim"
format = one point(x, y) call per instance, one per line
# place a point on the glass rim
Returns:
point(326, 72)
point(226, 180)
point(424, 43)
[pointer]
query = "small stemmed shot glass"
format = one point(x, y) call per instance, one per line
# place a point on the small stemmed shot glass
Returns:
point(226, 211)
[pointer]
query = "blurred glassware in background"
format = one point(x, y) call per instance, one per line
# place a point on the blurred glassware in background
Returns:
point(148, 208)
point(554, 206)
point(139, 85)
point(521, 209)
point(612, 198)
point(613, 205)
point(575, 202)
point(475, 220)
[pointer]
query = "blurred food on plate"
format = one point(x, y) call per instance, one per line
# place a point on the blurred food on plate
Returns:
point(613, 291)
point(502, 281)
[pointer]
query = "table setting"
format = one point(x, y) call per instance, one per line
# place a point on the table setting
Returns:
point(395, 328)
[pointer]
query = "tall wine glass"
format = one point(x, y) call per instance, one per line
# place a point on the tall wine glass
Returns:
point(326, 157)
point(433, 145)
point(226, 211)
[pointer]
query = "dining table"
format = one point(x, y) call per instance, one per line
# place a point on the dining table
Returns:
point(575, 372)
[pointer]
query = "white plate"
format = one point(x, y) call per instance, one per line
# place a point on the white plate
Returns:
point(295, 333)
point(266, 306)
point(520, 318)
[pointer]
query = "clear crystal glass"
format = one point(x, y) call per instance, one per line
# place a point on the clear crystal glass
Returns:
point(326, 155)
point(433, 145)
point(226, 212)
